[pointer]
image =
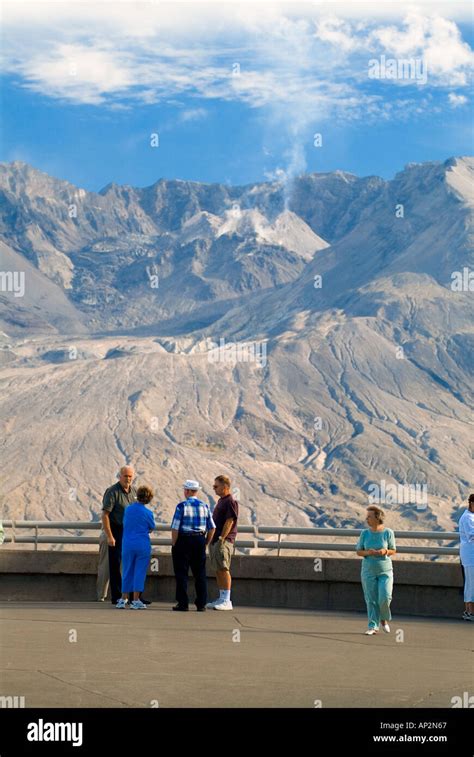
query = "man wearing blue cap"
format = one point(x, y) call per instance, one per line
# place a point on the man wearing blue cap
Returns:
point(192, 530)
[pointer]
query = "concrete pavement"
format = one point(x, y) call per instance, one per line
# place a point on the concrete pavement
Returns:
point(84, 654)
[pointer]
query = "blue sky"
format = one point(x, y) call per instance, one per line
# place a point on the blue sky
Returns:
point(235, 93)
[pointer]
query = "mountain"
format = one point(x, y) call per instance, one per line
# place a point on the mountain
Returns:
point(104, 248)
point(310, 343)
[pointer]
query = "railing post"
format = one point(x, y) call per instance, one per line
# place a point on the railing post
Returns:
point(279, 542)
point(255, 537)
point(36, 538)
point(13, 531)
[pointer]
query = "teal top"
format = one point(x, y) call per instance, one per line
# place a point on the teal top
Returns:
point(376, 540)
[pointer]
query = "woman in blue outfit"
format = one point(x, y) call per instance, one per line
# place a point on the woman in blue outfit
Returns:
point(138, 521)
point(376, 545)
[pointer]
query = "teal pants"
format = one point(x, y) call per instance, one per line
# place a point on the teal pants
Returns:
point(378, 595)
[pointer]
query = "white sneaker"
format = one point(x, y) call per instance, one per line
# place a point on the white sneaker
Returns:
point(121, 604)
point(223, 604)
point(210, 605)
point(371, 631)
point(137, 604)
point(385, 627)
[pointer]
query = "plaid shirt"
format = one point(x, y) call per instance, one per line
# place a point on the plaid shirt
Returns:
point(192, 516)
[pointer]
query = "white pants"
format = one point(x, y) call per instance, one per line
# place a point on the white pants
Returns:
point(468, 583)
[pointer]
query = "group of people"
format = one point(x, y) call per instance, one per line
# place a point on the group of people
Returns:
point(127, 525)
point(195, 531)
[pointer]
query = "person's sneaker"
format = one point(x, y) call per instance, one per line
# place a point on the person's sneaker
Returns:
point(223, 605)
point(180, 608)
point(371, 631)
point(137, 604)
point(121, 604)
point(145, 601)
point(467, 615)
point(201, 609)
point(385, 627)
point(210, 605)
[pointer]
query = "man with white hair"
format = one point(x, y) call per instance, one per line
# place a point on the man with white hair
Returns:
point(192, 530)
point(114, 502)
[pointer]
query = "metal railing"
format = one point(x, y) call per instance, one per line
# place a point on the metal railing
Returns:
point(256, 542)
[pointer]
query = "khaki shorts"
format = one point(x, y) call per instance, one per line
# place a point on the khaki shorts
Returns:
point(220, 555)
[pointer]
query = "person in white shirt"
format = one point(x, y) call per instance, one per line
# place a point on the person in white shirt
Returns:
point(466, 551)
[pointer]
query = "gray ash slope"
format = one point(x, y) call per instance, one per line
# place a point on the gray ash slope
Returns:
point(98, 364)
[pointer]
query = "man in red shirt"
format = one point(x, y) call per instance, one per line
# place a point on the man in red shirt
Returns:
point(221, 549)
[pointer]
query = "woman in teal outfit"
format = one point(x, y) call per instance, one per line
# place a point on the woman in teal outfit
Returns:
point(376, 545)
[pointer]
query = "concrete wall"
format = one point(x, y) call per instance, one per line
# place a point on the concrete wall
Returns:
point(431, 589)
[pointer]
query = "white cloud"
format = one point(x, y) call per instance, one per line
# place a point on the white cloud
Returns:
point(149, 51)
point(437, 40)
point(456, 100)
point(339, 33)
point(77, 72)
point(298, 64)
point(193, 114)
